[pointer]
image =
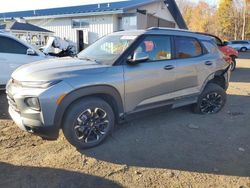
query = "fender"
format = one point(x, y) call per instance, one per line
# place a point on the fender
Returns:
point(212, 76)
point(88, 91)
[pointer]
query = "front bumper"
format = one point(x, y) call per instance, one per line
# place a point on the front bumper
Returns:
point(37, 122)
point(46, 132)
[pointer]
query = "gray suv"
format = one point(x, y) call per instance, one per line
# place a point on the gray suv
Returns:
point(120, 74)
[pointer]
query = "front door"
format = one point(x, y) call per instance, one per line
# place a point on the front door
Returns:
point(80, 40)
point(151, 81)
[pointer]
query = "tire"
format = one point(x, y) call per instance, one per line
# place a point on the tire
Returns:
point(88, 122)
point(211, 100)
point(243, 49)
point(233, 66)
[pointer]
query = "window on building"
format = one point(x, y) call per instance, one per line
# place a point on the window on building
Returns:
point(157, 47)
point(187, 47)
point(80, 23)
point(128, 22)
point(8, 45)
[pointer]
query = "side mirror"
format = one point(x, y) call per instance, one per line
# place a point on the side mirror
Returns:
point(225, 43)
point(139, 57)
point(31, 52)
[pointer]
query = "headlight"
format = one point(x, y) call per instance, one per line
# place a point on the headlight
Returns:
point(37, 84)
point(33, 103)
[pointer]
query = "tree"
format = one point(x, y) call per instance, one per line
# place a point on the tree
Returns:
point(246, 15)
point(230, 20)
point(226, 18)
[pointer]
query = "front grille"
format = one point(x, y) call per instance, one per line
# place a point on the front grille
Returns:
point(12, 102)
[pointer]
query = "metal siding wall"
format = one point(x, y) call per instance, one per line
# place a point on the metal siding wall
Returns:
point(99, 26)
point(60, 27)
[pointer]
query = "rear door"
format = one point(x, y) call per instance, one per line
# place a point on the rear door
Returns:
point(12, 55)
point(152, 81)
point(190, 65)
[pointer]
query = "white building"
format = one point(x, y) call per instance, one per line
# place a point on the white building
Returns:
point(85, 24)
point(30, 33)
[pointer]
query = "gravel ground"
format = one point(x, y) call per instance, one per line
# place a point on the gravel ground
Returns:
point(168, 149)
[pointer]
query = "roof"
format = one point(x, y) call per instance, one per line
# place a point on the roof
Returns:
point(165, 31)
point(95, 8)
point(174, 10)
point(23, 27)
point(175, 31)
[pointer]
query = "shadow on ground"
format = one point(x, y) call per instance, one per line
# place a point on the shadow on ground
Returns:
point(25, 176)
point(181, 140)
point(3, 106)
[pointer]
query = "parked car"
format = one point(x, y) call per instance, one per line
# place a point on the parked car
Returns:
point(230, 53)
point(14, 53)
point(240, 45)
point(119, 75)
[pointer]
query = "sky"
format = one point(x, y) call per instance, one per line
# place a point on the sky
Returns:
point(17, 5)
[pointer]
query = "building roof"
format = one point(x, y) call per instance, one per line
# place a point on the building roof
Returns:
point(14, 25)
point(95, 8)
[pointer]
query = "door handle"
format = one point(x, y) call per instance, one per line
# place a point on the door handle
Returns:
point(169, 67)
point(208, 63)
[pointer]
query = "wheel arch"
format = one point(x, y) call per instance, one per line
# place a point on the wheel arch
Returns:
point(216, 78)
point(105, 92)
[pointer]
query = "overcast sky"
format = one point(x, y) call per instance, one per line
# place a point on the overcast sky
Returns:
point(18, 5)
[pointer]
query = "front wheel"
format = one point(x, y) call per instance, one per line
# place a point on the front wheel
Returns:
point(88, 122)
point(211, 100)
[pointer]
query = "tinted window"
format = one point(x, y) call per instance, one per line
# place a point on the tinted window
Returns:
point(157, 47)
point(187, 47)
point(8, 45)
point(239, 42)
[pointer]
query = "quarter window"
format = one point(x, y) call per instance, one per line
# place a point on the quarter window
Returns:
point(187, 47)
point(8, 45)
point(157, 47)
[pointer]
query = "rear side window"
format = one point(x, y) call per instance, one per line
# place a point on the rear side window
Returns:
point(157, 47)
point(8, 45)
point(187, 47)
point(210, 47)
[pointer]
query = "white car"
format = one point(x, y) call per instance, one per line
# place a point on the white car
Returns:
point(240, 45)
point(14, 53)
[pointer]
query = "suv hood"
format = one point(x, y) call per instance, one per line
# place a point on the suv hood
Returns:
point(56, 68)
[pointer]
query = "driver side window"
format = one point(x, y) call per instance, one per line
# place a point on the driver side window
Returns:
point(156, 47)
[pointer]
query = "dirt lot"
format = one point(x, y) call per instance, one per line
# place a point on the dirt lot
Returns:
point(170, 149)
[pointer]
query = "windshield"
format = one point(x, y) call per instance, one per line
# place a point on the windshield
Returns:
point(107, 49)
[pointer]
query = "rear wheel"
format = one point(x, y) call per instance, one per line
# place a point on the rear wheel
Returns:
point(211, 100)
point(243, 49)
point(88, 122)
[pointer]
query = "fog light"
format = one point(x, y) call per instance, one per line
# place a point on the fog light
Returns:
point(33, 103)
